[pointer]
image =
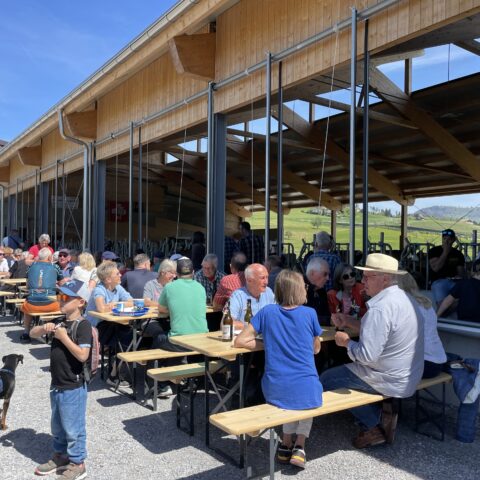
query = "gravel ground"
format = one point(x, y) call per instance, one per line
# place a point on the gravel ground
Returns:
point(128, 441)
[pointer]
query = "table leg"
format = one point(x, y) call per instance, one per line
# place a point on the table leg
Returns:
point(207, 402)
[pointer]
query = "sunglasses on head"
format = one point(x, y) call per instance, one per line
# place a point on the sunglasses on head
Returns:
point(63, 297)
point(346, 276)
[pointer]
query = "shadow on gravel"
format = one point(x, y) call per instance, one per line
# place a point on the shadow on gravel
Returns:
point(225, 471)
point(29, 443)
point(40, 353)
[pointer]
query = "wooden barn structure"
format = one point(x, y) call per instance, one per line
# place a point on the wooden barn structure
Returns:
point(163, 139)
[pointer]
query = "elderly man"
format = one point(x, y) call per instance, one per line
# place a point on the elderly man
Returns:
point(322, 248)
point(134, 281)
point(447, 264)
point(64, 262)
point(42, 279)
point(318, 274)
point(387, 358)
point(232, 282)
point(256, 290)
point(43, 242)
point(209, 276)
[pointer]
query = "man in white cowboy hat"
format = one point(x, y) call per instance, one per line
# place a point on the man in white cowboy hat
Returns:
point(387, 358)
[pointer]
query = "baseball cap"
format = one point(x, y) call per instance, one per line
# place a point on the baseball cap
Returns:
point(176, 256)
point(109, 255)
point(76, 288)
point(184, 266)
point(64, 250)
point(448, 232)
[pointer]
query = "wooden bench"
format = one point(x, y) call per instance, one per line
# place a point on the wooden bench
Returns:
point(178, 374)
point(253, 421)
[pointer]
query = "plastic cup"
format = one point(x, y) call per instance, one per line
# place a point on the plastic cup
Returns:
point(139, 303)
point(120, 306)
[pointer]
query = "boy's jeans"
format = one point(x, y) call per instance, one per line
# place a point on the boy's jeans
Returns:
point(68, 422)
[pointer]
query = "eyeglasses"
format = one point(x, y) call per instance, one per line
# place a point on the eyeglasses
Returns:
point(448, 233)
point(62, 255)
point(346, 276)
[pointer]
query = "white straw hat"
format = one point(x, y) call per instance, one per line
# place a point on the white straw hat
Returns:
point(378, 262)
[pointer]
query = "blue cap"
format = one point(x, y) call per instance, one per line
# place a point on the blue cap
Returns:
point(109, 256)
point(76, 288)
point(176, 256)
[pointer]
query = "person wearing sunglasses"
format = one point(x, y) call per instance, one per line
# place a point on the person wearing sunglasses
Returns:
point(4, 268)
point(347, 295)
point(318, 274)
point(447, 265)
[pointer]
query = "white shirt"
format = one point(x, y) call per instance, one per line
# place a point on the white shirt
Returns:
point(79, 273)
point(389, 353)
point(4, 265)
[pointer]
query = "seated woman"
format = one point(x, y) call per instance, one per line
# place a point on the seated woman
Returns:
point(86, 270)
point(290, 380)
point(347, 296)
point(434, 353)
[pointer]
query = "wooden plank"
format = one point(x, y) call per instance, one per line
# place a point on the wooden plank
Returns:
point(194, 55)
point(5, 173)
point(297, 182)
point(313, 135)
point(31, 156)
point(150, 355)
point(441, 137)
point(82, 124)
point(177, 373)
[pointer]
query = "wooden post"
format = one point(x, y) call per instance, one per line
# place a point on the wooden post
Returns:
point(403, 225)
point(333, 223)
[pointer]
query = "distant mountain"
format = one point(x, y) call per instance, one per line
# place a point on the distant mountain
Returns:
point(453, 213)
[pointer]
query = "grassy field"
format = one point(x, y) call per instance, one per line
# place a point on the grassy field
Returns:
point(299, 224)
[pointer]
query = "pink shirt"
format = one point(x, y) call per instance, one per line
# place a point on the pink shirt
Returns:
point(36, 248)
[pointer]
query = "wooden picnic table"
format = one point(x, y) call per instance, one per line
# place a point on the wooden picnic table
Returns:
point(212, 346)
point(13, 281)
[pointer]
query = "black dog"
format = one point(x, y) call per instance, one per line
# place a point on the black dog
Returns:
point(7, 383)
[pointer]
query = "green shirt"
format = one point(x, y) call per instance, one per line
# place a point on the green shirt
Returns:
point(186, 302)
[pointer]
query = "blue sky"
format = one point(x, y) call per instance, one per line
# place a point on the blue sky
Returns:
point(48, 48)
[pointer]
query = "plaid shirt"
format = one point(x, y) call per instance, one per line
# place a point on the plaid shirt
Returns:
point(333, 260)
point(253, 247)
point(227, 286)
point(209, 286)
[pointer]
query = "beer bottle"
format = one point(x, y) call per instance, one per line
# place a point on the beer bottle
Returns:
point(227, 324)
point(248, 313)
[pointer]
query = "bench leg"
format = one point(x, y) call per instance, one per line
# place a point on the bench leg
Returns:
point(422, 415)
point(272, 453)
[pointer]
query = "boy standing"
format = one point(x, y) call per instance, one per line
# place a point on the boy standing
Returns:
point(68, 393)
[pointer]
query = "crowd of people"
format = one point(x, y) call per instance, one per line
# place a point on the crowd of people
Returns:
point(386, 340)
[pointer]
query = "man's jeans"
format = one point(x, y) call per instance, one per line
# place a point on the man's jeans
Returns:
point(441, 288)
point(341, 377)
point(68, 422)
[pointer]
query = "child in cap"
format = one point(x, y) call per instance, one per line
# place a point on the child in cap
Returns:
point(68, 391)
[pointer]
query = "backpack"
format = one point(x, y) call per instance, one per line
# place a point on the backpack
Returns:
point(90, 367)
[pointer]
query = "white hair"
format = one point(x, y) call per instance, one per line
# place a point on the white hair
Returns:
point(211, 258)
point(323, 240)
point(44, 253)
point(317, 264)
point(44, 237)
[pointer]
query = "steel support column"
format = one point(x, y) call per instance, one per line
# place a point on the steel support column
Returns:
point(366, 125)
point(11, 213)
point(268, 119)
point(140, 190)
point(280, 164)
point(44, 208)
point(100, 177)
point(130, 194)
point(353, 117)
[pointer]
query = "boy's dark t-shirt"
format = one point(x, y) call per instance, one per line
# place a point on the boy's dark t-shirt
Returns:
point(66, 370)
point(468, 294)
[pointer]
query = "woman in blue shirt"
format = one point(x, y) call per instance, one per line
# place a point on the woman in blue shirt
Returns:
point(291, 338)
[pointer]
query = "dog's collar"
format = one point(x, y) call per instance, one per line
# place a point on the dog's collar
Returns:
point(7, 370)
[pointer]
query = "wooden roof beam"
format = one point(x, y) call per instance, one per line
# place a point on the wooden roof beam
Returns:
point(198, 189)
point(233, 184)
point(31, 156)
point(441, 137)
point(381, 117)
point(295, 181)
point(5, 173)
point(312, 133)
point(82, 124)
point(194, 55)
point(471, 46)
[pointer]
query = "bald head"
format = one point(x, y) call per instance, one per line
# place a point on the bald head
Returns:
point(256, 277)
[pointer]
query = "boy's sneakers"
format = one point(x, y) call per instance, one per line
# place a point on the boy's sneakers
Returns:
point(25, 337)
point(117, 383)
point(298, 457)
point(57, 463)
point(284, 454)
point(74, 472)
point(165, 391)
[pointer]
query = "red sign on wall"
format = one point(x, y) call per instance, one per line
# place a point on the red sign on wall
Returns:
point(118, 211)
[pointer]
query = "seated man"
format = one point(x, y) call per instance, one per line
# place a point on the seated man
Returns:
point(64, 262)
point(274, 265)
point(318, 273)
point(447, 265)
point(230, 283)
point(467, 293)
point(134, 280)
point(42, 280)
point(209, 276)
point(256, 290)
point(185, 301)
point(387, 358)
